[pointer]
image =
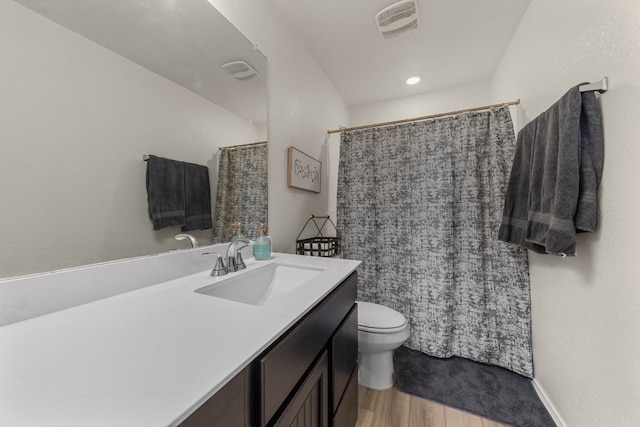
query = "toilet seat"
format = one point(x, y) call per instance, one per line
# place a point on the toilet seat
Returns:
point(376, 318)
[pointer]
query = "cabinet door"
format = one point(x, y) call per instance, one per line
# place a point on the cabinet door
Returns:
point(344, 355)
point(347, 413)
point(309, 407)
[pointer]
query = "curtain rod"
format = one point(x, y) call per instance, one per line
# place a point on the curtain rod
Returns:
point(233, 147)
point(145, 157)
point(601, 86)
point(417, 119)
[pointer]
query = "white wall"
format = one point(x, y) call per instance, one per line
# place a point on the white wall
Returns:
point(303, 104)
point(457, 98)
point(586, 310)
point(75, 120)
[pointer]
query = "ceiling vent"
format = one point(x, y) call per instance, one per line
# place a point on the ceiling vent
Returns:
point(398, 19)
point(241, 70)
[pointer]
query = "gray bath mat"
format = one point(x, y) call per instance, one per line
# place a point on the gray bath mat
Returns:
point(488, 391)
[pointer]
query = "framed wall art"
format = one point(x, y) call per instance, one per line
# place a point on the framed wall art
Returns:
point(303, 171)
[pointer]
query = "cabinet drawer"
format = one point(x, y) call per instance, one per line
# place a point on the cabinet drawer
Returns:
point(285, 365)
point(344, 354)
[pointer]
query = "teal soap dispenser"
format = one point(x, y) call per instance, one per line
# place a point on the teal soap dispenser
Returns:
point(262, 246)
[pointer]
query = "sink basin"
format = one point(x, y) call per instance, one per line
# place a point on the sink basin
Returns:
point(255, 287)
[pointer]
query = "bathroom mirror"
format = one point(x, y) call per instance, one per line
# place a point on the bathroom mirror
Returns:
point(90, 87)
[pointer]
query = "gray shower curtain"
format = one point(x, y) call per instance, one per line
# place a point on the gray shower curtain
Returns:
point(242, 191)
point(420, 204)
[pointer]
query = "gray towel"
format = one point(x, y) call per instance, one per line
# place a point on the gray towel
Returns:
point(555, 177)
point(165, 192)
point(178, 194)
point(197, 197)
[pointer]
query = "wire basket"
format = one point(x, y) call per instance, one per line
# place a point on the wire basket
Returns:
point(320, 245)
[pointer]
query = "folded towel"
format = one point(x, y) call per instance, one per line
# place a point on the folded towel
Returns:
point(197, 197)
point(591, 163)
point(165, 192)
point(178, 194)
point(555, 177)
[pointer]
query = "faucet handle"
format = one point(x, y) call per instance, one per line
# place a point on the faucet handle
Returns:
point(219, 269)
point(240, 265)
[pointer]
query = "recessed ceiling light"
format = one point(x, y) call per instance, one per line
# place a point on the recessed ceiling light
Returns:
point(413, 80)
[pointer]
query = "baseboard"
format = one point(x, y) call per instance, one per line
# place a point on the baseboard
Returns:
point(547, 404)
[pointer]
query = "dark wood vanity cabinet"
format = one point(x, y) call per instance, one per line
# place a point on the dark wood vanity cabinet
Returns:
point(229, 407)
point(308, 377)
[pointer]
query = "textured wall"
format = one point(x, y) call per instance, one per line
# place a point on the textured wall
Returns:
point(303, 104)
point(586, 310)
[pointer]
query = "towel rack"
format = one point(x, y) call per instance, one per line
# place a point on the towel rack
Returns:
point(145, 157)
point(602, 86)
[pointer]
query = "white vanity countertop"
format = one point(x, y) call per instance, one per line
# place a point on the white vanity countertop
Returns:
point(149, 357)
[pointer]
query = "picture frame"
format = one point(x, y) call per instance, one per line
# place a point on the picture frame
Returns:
point(303, 171)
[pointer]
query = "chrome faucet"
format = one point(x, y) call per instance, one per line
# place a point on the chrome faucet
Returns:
point(234, 256)
point(189, 237)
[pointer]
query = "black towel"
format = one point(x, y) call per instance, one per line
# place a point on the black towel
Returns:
point(178, 194)
point(198, 197)
point(165, 192)
point(555, 177)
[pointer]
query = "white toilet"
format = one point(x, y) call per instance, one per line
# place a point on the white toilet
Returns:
point(380, 331)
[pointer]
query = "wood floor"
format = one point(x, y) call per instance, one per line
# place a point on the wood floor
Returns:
point(393, 408)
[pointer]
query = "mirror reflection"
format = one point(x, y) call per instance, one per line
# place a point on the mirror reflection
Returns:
point(242, 191)
point(89, 87)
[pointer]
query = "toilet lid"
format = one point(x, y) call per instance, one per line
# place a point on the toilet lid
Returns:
point(375, 316)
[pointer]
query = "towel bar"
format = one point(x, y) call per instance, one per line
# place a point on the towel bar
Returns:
point(602, 86)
